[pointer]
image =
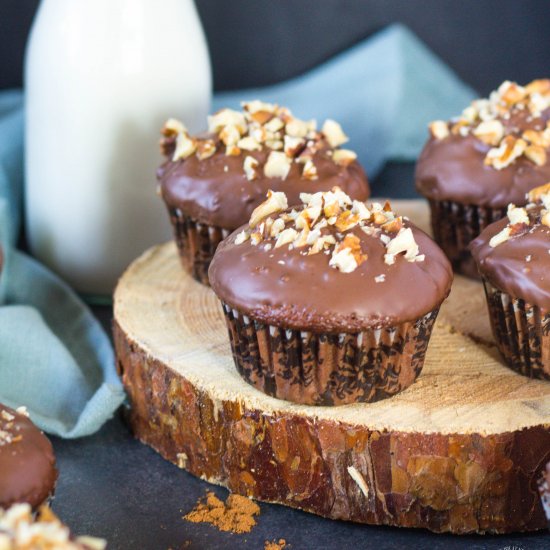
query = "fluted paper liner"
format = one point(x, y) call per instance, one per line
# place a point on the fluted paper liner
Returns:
point(455, 225)
point(521, 331)
point(328, 369)
point(196, 243)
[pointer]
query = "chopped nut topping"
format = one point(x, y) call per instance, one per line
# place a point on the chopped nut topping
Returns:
point(185, 146)
point(538, 193)
point(520, 219)
point(501, 237)
point(490, 131)
point(230, 135)
point(286, 236)
point(343, 260)
point(205, 149)
point(274, 125)
point(7, 416)
point(325, 222)
point(250, 167)
point(517, 215)
point(347, 254)
point(439, 129)
point(487, 119)
point(226, 117)
point(260, 126)
point(242, 237)
point(536, 154)
point(344, 157)
point(507, 152)
point(403, 242)
point(333, 133)
point(276, 202)
point(309, 171)
point(277, 165)
point(297, 128)
point(256, 105)
point(248, 143)
point(293, 146)
point(173, 127)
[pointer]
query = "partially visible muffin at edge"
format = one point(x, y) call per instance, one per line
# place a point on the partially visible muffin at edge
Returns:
point(211, 183)
point(330, 302)
point(23, 529)
point(513, 258)
point(27, 462)
point(473, 166)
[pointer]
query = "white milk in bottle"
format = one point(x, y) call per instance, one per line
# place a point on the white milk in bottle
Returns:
point(101, 78)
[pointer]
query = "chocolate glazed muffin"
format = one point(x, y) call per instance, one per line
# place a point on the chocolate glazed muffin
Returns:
point(212, 183)
point(544, 491)
point(22, 529)
point(27, 462)
point(329, 303)
point(513, 256)
point(472, 167)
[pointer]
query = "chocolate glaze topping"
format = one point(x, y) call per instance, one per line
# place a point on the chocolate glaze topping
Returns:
point(520, 266)
point(206, 191)
point(214, 188)
point(27, 462)
point(293, 289)
point(454, 167)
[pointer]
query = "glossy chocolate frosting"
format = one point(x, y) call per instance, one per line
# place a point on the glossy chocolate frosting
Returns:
point(453, 169)
point(519, 266)
point(216, 191)
point(290, 289)
point(27, 462)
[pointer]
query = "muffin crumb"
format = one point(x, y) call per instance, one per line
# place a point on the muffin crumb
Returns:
point(235, 515)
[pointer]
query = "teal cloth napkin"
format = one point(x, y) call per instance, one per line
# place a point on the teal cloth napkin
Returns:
point(54, 356)
point(384, 91)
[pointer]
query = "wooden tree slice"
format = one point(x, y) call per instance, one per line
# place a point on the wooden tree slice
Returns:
point(459, 451)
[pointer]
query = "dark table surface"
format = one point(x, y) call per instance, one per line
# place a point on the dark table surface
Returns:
point(113, 486)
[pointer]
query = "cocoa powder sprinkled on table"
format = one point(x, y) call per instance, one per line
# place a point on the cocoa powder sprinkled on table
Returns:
point(236, 514)
point(275, 545)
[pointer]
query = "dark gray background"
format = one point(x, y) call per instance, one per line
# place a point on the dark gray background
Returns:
point(255, 42)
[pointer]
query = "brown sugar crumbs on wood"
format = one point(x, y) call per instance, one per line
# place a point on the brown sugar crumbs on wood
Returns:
point(458, 451)
point(235, 515)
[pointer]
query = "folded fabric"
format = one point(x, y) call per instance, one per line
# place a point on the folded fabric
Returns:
point(383, 91)
point(54, 356)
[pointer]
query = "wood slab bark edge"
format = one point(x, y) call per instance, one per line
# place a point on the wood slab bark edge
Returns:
point(445, 482)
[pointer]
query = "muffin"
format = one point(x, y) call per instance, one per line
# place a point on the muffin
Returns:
point(472, 167)
point(20, 529)
point(513, 257)
point(27, 463)
point(212, 183)
point(544, 491)
point(331, 302)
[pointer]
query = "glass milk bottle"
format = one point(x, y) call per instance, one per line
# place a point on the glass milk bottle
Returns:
point(101, 78)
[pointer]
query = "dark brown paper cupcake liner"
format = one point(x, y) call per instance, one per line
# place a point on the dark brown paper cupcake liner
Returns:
point(455, 225)
point(196, 243)
point(328, 369)
point(521, 331)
